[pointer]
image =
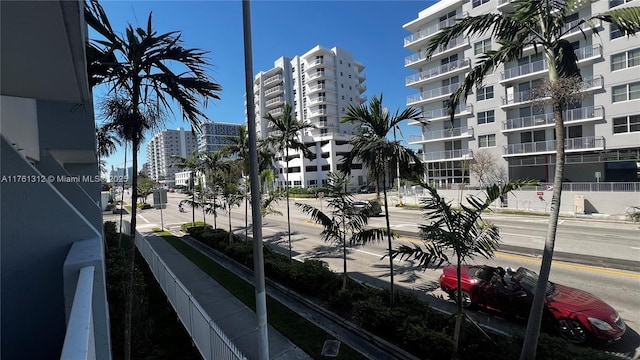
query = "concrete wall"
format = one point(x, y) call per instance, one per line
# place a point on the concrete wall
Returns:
point(595, 202)
point(36, 235)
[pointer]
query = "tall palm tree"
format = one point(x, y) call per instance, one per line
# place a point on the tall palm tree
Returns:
point(140, 66)
point(286, 134)
point(214, 167)
point(239, 147)
point(540, 25)
point(372, 147)
point(343, 225)
point(462, 232)
point(106, 140)
point(192, 163)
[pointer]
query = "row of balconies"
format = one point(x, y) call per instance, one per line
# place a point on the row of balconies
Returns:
point(590, 83)
point(273, 79)
point(589, 113)
point(437, 135)
point(587, 143)
point(443, 114)
point(456, 43)
point(445, 69)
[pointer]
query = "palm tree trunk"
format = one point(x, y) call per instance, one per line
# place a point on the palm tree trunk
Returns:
point(246, 208)
point(530, 343)
point(122, 199)
point(386, 215)
point(288, 212)
point(344, 247)
point(193, 199)
point(230, 230)
point(459, 315)
point(128, 311)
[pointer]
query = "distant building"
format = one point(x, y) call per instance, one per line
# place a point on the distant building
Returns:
point(602, 129)
point(319, 85)
point(163, 147)
point(145, 169)
point(215, 135)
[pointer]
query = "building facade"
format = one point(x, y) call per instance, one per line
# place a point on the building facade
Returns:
point(53, 288)
point(319, 85)
point(501, 121)
point(215, 135)
point(163, 147)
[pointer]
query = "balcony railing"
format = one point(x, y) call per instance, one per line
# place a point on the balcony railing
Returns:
point(318, 74)
point(274, 90)
point(422, 55)
point(573, 144)
point(574, 29)
point(273, 79)
point(430, 94)
point(318, 99)
point(525, 69)
point(443, 69)
point(437, 114)
point(589, 83)
point(589, 52)
point(274, 101)
point(589, 112)
point(447, 155)
point(442, 134)
point(428, 31)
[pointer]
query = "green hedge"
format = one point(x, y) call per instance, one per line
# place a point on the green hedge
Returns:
point(411, 323)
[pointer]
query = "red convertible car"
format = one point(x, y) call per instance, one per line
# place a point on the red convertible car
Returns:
point(575, 314)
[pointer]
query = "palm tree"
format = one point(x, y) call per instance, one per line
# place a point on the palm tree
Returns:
point(140, 66)
point(214, 167)
point(239, 147)
point(285, 134)
point(462, 232)
point(343, 225)
point(540, 25)
point(372, 147)
point(194, 164)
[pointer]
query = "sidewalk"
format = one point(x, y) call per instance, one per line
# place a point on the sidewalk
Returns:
point(235, 319)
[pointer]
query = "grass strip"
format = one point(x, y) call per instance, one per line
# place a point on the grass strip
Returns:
point(306, 335)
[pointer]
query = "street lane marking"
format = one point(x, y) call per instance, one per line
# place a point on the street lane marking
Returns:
point(143, 218)
point(571, 266)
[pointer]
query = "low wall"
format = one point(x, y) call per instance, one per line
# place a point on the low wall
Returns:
point(572, 202)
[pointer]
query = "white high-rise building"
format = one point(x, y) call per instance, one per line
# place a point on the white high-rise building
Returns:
point(161, 149)
point(215, 135)
point(500, 118)
point(319, 85)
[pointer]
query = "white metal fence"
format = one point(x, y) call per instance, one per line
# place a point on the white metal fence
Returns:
point(209, 339)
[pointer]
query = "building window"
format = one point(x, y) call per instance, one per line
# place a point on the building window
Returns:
point(341, 74)
point(326, 168)
point(477, 3)
point(324, 131)
point(487, 141)
point(311, 168)
point(349, 76)
point(615, 32)
point(486, 117)
point(614, 3)
point(349, 64)
point(484, 93)
point(482, 46)
point(626, 124)
point(297, 183)
point(625, 60)
point(625, 92)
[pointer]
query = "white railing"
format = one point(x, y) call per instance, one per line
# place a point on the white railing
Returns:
point(589, 112)
point(573, 144)
point(209, 339)
point(525, 69)
point(442, 69)
point(274, 90)
point(273, 79)
point(447, 155)
point(428, 31)
point(79, 339)
point(422, 55)
point(316, 75)
point(437, 114)
point(433, 93)
point(442, 134)
point(274, 101)
point(588, 52)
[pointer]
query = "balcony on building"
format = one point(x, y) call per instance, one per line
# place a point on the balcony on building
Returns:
point(271, 103)
point(575, 29)
point(325, 62)
point(358, 65)
point(325, 124)
point(321, 112)
point(431, 95)
point(362, 77)
point(589, 54)
point(587, 143)
point(419, 59)
point(589, 84)
point(441, 135)
point(320, 87)
point(278, 89)
point(277, 111)
point(315, 100)
point(273, 80)
point(418, 39)
point(361, 88)
point(447, 155)
point(443, 114)
point(419, 79)
point(317, 75)
point(505, 6)
point(546, 120)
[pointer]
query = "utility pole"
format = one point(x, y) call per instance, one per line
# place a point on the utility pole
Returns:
point(256, 217)
point(397, 169)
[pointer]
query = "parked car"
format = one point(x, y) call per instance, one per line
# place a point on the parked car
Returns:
point(367, 189)
point(576, 315)
point(373, 207)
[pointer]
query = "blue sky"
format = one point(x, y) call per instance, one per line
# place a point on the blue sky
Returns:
point(371, 30)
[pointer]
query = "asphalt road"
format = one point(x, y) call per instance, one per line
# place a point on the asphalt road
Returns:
point(619, 288)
